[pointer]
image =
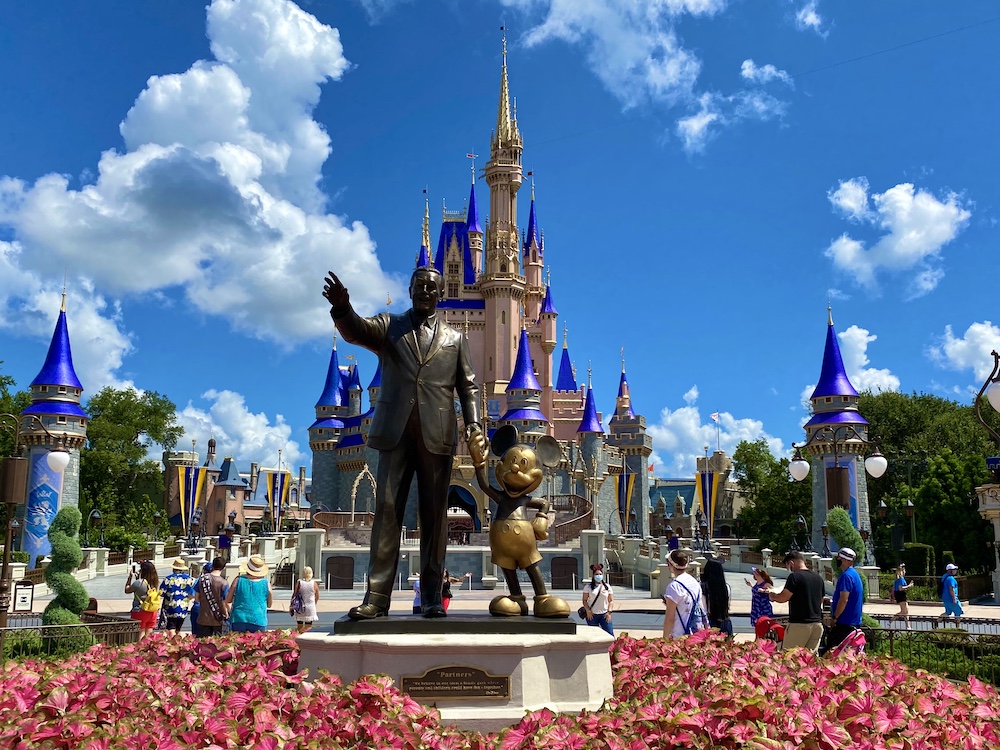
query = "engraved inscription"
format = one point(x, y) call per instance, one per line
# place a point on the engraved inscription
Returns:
point(456, 683)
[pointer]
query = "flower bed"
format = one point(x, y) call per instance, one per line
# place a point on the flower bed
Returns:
point(700, 692)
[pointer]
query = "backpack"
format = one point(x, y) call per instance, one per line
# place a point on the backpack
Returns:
point(153, 600)
point(697, 618)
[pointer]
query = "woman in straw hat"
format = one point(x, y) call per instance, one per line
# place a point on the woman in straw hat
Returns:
point(178, 594)
point(249, 597)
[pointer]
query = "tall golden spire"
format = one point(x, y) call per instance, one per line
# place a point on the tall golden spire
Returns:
point(425, 238)
point(504, 130)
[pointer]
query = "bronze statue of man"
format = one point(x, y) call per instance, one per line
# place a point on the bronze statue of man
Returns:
point(424, 363)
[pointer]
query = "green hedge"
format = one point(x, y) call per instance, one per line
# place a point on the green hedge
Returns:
point(919, 559)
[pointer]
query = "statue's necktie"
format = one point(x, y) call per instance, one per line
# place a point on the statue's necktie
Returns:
point(425, 334)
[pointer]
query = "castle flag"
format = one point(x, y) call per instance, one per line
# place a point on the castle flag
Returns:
point(624, 490)
point(191, 481)
point(277, 485)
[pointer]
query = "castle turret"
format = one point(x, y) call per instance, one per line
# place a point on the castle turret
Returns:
point(475, 231)
point(837, 468)
point(502, 284)
point(566, 381)
point(628, 434)
point(55, 404)
point(325, 433)
point(374, 388)
point(524, 396)
point(533, 262)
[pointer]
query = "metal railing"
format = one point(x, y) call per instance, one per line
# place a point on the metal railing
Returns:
point(969, 587)
point(35, 575)
point(173, 550)
point(26, 636)
point(142, 554)
point(750, 557)
point(117, 558)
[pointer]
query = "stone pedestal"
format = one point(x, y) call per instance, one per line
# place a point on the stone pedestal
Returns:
point(267, 548)
point(310, 551)
point(870, 572)
point(157, 548)
point(490, 578)
point(101, 554)
point(491, 678)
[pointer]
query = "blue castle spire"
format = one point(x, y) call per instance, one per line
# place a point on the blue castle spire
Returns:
point(591, 422)
point(423, 259)
point(524, 394)
point(833, 380)
point(547, 306)
point(472, 217)
point(532, 235)
point(58, 368)
point(624, 401)
point(332, 394)
point(567, 379)
point(524, 374)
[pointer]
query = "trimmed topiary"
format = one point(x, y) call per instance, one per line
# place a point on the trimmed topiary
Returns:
point(842, 531)
point(71, 597)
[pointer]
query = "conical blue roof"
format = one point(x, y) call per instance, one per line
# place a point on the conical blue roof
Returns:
point(472, 217)
point(377, 379)
point(58, 367)
point(532, 229)
point(331, 391)
point(833, 380)
point(423, 259)
point(590, 422)
point(547, 306)
point(524, 374)
point(354, 381)
point(566, 380)
point(623, 392)
point(229, 476)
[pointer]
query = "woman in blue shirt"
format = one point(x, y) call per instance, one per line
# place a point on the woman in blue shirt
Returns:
point(899, 587)
point(249, 597)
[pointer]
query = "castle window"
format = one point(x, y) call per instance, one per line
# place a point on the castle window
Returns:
point(491, 364)
point(453, 289)
point(61, 420)
point(62, 389)
point(503, 268)
point(43, 388)
point(453, 269)
point(503, 317)
point(829, 400)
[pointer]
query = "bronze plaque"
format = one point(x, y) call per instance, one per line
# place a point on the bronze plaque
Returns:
point(456, 683)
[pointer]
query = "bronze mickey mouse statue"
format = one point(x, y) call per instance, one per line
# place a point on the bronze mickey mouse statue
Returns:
point(512, 535)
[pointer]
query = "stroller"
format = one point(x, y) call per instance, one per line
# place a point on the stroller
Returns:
point(854, 643)
point(768, 629)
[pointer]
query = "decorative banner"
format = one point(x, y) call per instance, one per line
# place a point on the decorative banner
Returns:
point(191, 481)
point(708, 488)
point(277, 485)
point(626, 481)
point(851, 464)
point(44, 490)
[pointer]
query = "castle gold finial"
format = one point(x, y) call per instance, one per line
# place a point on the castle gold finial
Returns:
point(62, 306)
point(505, 130)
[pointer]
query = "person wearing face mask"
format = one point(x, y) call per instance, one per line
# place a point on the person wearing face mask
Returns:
point(598, 600)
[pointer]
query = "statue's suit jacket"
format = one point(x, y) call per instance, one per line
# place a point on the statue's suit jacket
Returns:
point(411, 379)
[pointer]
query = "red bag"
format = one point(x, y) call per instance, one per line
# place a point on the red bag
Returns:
point(767, 629)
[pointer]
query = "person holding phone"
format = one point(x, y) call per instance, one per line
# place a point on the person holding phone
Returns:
point(760, 604)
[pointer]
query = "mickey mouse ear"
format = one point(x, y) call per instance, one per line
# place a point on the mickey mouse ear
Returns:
point(504, 439)
point(547, 450)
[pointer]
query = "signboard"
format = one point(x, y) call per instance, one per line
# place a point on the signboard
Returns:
point(993, 462)
point(456, 683)
point(24, 596)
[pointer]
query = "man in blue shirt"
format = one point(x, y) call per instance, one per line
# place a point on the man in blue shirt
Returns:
point(949, 594)
point(847, 599)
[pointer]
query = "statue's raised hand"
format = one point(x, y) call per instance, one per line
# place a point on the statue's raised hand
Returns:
point(336, 293)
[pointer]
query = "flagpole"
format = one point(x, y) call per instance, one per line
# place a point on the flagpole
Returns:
point(718, 431)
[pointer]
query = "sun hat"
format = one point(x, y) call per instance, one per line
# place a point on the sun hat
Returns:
point(179, 564)
point(846, 553)
point(951, 566)
point(255, 567)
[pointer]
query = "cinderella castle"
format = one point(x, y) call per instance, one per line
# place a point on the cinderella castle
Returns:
point(496, 291)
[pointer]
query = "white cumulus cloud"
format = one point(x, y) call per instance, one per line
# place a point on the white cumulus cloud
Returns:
point(970, 351)
point(915, 225)
point(808, 18)
point(239, 432)
point(215, 194)
point(680, 436)
point(763, 73)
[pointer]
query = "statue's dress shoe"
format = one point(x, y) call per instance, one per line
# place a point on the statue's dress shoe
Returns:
point(508, 606)
point(547, 605)
point(367, 612)
point(434, 610)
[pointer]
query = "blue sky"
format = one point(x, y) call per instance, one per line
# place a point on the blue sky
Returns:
point(709, 174)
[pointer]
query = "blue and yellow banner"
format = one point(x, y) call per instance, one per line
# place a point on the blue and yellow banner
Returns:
point(708, 488)
point(192, 481)
point(624, 490)
point(277, 485)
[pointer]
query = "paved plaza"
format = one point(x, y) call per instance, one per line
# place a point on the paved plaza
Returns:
point(635, 612)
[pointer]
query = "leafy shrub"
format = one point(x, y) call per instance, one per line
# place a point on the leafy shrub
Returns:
point(119, 540)
point(919, 559)
point(19, 557)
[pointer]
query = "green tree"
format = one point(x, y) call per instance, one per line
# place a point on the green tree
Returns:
point(772, 499)
point(915, 430)
point(11, 402)
point(946, 507)
point(116, 474)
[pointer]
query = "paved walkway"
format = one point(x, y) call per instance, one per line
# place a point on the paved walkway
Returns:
point(636, 612)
